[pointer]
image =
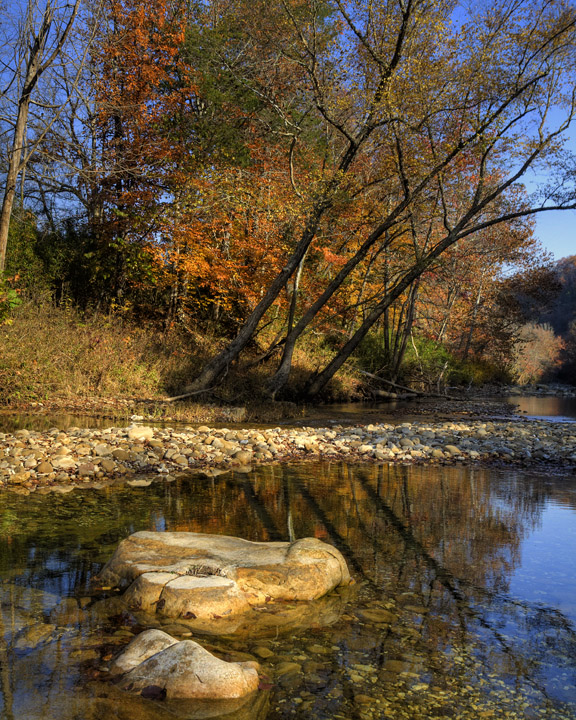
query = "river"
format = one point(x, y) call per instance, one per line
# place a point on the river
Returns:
point(464, 603)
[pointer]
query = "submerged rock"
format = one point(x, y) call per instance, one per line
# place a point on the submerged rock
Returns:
point(196, 576)
point(34, 635)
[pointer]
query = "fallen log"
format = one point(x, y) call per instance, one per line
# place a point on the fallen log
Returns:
point(419, 393)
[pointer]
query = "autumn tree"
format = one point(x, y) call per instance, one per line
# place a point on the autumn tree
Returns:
point(417, 86)
point(537, 354)
point(461, 304)
point(312, 164)
point(190, 191)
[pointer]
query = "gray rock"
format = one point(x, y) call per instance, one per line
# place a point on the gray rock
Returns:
point(141, 648)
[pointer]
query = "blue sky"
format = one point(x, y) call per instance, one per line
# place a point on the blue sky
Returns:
point(556, 231)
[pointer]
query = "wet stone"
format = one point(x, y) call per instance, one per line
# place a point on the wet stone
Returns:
point(140, 449)
point(290, 681)
point(263, 652)
point(377, 615)
point(416, 609)
point(34, 636)
point(288, 668)
point(44, 468)
point(86, 469)
point(318, 649)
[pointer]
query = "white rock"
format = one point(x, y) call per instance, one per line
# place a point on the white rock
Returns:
point(140, 432)
point(141, 648)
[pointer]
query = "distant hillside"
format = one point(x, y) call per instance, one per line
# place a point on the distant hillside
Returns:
point(562, 310)
point(543, 303)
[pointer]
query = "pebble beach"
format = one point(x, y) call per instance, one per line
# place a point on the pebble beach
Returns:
point(59, 460)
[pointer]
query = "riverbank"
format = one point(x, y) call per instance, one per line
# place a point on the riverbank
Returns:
point(98, 412)
point(59, 460)
point(488, 401)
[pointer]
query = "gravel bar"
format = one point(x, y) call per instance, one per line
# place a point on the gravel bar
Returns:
point(60, 460)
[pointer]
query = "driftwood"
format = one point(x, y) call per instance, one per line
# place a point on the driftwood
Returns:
point(419, 393)
point(186, 395)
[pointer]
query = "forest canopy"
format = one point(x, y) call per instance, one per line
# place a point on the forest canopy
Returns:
point(349, 174)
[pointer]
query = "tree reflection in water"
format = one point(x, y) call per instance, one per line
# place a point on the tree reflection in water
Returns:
point(432, 630)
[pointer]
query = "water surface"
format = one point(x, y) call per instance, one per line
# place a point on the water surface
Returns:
point(556, 409)
point(464, 604)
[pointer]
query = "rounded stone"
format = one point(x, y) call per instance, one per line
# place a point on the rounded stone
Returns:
point(140, 432)
point(44, 468)
point(185, 670)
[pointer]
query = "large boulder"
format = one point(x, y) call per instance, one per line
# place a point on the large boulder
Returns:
point(198, 576)
point(259, 621)
point(157, 666)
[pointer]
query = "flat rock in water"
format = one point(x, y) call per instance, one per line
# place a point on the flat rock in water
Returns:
point(196, 575)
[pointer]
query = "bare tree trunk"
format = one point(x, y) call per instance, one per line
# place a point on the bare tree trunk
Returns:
point(406, 332)
point(36, 64)
point(294, 298)
point(12, 178)
point(472, 327)
point(452, 295)
point(283, 373)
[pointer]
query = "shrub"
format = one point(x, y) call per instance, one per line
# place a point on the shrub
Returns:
point(9, 300)
point(537, 355)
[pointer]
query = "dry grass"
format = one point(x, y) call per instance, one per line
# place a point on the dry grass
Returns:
point(54, 356)
point(48, 352)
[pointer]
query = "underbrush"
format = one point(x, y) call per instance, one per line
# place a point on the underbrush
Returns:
point(54, 355)
point(50, 354)
point(48, 351)
point(430, 366)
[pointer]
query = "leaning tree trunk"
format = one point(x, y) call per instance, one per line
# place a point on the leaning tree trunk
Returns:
point(472, 325)
point(406, 331)
point(280, 378)
point(217, 366)
point(318, 381)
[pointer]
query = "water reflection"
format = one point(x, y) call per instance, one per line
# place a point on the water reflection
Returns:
point(464, 604)
point(11, 421)
point(557, 409)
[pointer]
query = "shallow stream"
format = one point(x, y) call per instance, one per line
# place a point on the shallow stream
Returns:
point(555, 408)
point(464, 604)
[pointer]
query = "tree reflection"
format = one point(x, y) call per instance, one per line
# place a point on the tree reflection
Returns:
point(432, 551)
